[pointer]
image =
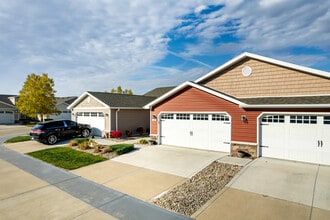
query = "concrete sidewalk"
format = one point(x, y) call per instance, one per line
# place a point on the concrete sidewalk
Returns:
point(54, 193)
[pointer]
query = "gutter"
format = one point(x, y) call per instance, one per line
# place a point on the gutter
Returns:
point(286, 106)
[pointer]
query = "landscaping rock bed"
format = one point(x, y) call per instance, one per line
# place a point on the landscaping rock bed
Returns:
point(195, 192)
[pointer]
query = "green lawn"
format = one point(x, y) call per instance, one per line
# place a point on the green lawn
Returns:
point(66, 157)
point(18, 139)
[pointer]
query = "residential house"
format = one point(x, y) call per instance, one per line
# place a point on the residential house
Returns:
point(252, 105)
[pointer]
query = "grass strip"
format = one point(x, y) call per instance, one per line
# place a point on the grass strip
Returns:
point(66, 157)
point(18, 139)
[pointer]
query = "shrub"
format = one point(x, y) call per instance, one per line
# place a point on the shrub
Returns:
point(121, 148)
point(139, 130)
point(143, 141)
point(73, 143)
point(83, 145)
point(81, 140)
point(115, 134)
point(124, 150)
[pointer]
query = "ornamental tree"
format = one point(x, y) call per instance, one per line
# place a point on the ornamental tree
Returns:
point(37, 96)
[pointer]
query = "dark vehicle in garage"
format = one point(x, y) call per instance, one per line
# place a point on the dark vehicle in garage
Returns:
point(51, 131)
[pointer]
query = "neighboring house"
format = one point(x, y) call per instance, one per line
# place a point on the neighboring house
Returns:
point(107, 112)
point(157, 92)
point(251, 105)
point(62, 104)
point(8, 111)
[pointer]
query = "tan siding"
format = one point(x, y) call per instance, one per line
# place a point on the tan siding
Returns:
point(130, 119)
point(89, 102)
point(266, 80)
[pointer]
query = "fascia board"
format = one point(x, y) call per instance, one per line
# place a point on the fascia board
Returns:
point(188, 83)
point(268, 60)
point(82, 97)
point(287, 106)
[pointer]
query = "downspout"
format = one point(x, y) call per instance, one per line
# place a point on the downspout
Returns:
point(117, 119)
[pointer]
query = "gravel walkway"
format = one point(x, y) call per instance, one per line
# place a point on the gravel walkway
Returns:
point(187, 198)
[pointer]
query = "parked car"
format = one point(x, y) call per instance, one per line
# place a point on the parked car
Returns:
point(51, 131)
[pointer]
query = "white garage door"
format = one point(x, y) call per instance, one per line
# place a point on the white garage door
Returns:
point(196, 130)
point(296, 137)
point(7, 117)
point(95, 119)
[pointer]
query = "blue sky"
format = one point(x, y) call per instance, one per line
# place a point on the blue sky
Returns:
point(98, 45)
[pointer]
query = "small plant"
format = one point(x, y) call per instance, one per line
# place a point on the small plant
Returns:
point(96, 149)
point(143, 141)
point(115, 134)
point(139, 130)
point(73, 143)
point(83, 145)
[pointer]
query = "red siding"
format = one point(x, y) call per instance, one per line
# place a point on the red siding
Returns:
point(194, 100)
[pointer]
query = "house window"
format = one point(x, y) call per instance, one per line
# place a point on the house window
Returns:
point(220, 117)
point(94, 114)
point(202, 117)
point(79, 114)
point(101, 114)
point(273, 118)
point(167, 116)
point(326, 120)
point(183, 116)
point(303, 119)
point(7, 112)
point(1, 112)
point(86, 114)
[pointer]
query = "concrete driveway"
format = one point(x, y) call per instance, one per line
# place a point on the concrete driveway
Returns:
point(149, 171)
point(179, 161)
point(273, 189)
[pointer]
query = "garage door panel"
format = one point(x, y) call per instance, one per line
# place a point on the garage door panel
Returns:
point(7, 117)
point(296, 137)
point(95, 119)
point(195, 130)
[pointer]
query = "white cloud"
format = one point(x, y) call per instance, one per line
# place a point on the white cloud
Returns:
point(98, 45)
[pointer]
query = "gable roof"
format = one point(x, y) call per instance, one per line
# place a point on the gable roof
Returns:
point(265, 59)
point(113, 100)
point(263, 102)
point(65, 100)
point(157, 92)
point(197, 86)
point(5, 102)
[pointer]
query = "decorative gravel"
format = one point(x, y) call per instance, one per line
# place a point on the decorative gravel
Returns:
point(188, 197)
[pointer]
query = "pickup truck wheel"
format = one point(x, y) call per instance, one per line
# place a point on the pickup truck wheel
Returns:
point(85, 133)
point(51, 139)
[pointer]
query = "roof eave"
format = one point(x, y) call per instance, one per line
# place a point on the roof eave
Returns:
point(265, 59)
point(282, 106)
point(192, 84)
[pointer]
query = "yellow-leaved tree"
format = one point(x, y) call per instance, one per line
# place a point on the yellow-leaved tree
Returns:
point(37, 97)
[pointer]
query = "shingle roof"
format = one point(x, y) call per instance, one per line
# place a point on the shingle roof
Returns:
point(122, 100)
point(157, 92)
point(5, 99)
point(67, 100)
point(287, 100)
